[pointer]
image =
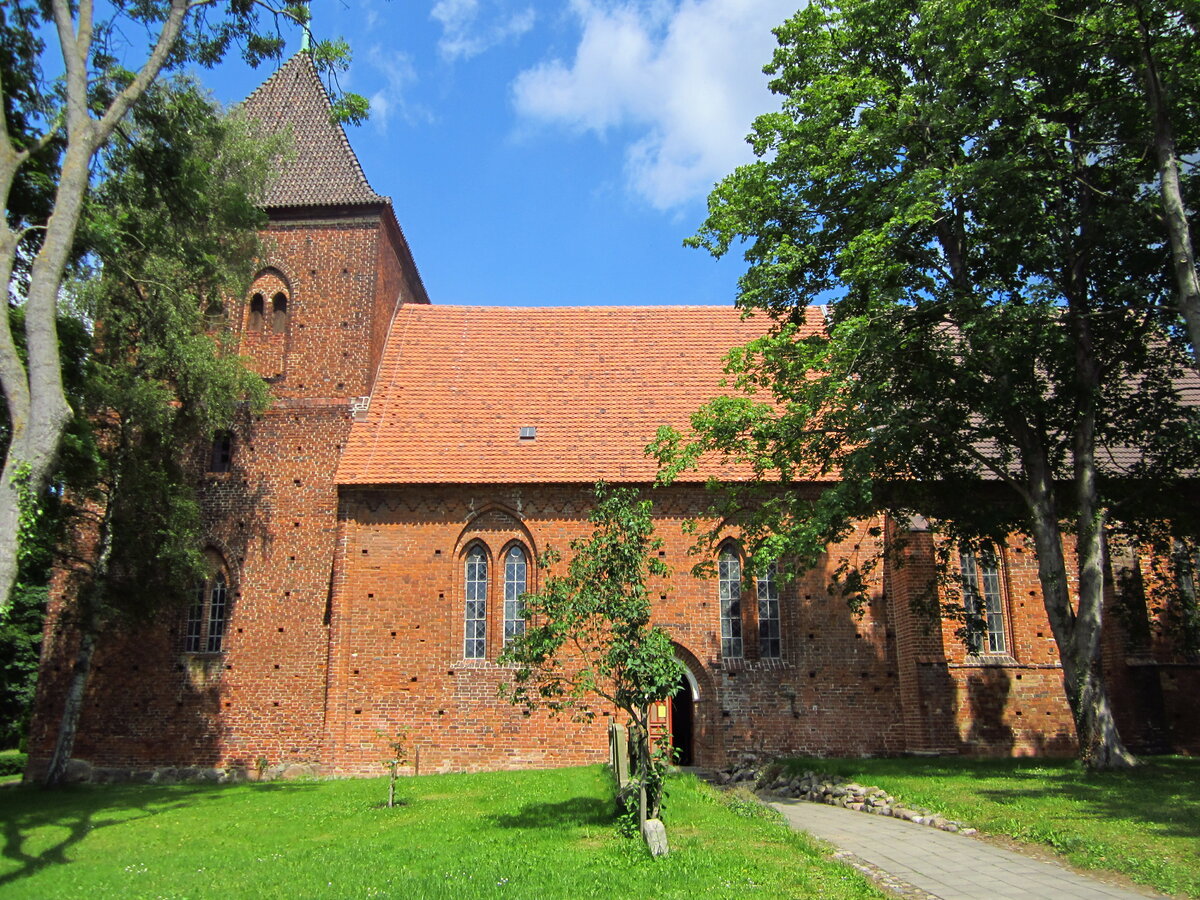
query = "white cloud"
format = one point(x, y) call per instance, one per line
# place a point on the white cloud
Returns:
point(684, 75)
point(464, 35)
point(391, 100)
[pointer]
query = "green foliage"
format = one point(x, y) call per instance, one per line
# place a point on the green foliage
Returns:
point(588, 633)
point(957, 222)
point(42, 523)
point(542, 833)
point(966, 185)
point(20, 650)
point(1143, 823)
point(597, 619)
point(12, 762)
point(171, 231)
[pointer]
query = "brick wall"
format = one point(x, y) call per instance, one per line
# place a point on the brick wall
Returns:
point(397, 627)
point(1011, 703)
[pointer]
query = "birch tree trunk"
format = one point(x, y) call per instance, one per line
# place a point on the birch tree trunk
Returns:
point(33, 389)
point(1179, 233)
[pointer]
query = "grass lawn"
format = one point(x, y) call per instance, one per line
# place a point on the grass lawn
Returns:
point(515, 834)
point(1144, 823)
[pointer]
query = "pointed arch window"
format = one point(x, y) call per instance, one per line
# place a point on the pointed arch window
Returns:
point(208, 615)
point(729, 585)
point(476, 582)
point(516, 574)
point(769, 644)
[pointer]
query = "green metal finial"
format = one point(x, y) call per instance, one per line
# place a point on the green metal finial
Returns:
point(306, 33)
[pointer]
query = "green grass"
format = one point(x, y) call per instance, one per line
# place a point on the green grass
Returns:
point(1144, 823)
point(515, 834)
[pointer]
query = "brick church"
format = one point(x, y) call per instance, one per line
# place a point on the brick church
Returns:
point(370, 534)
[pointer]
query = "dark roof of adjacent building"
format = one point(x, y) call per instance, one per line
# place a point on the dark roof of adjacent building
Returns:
point(322, 169)
point(457, 385)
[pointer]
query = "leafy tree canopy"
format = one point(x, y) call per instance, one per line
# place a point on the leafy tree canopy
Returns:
point(53, 125)
point(968, 186)
point(171, 231)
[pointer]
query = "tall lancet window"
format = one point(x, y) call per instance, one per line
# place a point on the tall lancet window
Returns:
point(475, 643)
point(516, 572)
point(729, 584)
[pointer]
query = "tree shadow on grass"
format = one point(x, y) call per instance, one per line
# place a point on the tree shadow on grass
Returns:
point(576, 811)
point(81, 810)
point(1163, 792)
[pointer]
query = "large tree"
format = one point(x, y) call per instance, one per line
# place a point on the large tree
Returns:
point(80, 110)
point(966, 185)
point(172, 231)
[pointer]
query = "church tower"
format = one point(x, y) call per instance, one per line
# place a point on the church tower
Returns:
point(238, 674)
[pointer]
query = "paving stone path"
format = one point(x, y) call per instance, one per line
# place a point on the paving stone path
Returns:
point(920, 862)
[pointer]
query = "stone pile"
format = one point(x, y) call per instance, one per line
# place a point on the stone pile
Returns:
point(835, 791)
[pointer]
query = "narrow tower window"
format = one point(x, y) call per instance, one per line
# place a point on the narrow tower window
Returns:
point(257, 312)
point(221, 458)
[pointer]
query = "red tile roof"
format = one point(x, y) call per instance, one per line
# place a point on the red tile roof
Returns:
point(457, 384)
point(323, 170)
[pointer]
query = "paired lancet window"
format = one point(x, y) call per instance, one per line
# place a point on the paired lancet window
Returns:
point(268, 315)
point(476, 592)
point(729, 588)
point(983, 602)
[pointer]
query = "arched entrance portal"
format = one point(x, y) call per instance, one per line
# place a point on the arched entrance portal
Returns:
point(678, 717)
point(683, 723)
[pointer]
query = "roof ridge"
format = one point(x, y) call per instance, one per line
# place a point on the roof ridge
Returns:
point(706, 308)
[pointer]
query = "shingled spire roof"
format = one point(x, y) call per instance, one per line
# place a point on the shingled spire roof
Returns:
point(323, 169)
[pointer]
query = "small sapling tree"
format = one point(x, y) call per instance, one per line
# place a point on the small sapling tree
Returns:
point(397, 746)
point(588, 635)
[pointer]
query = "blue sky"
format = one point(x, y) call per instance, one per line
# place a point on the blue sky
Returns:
point(550, 153)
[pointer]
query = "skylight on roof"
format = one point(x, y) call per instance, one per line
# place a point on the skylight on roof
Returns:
point(528, 433)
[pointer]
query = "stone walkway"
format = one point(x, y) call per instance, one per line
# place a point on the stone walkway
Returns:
point(940, 864)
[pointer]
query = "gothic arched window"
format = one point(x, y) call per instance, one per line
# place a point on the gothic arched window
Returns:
point(476, 587)
point(729, 585)
point(516, 574)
